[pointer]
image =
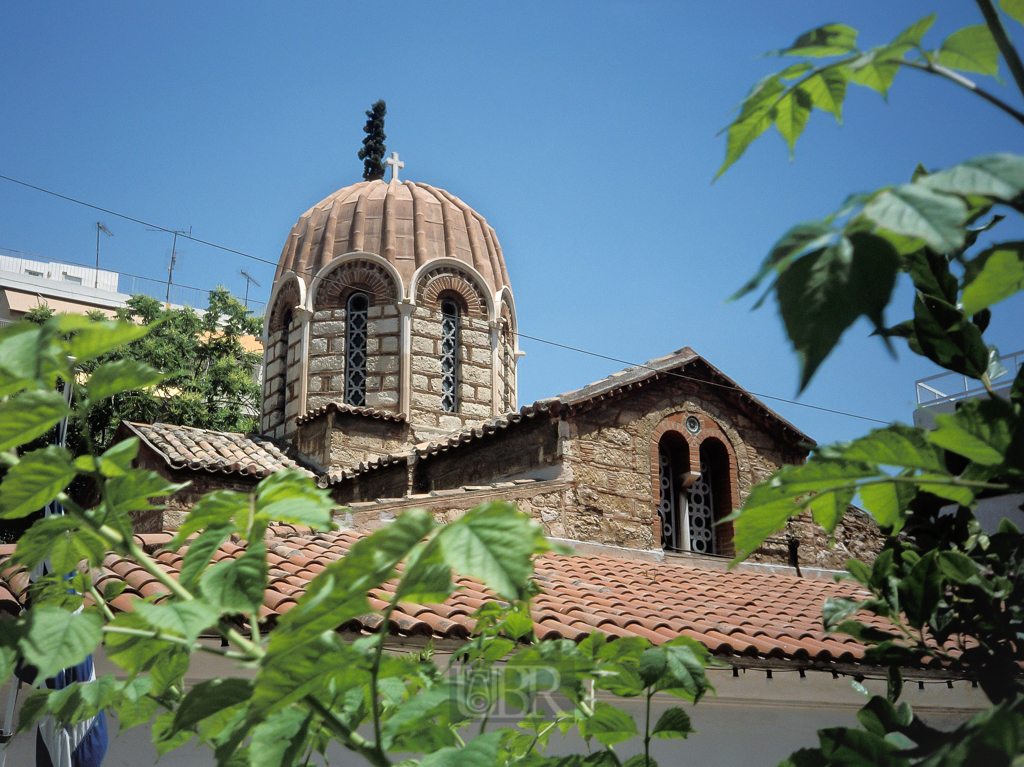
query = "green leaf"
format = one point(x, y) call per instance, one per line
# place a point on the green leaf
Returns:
point(237, 585)
point(827, 89)
point(921, 590)
point(947, 337)
point(186, 619)
point(19, 357)
point(685, 675)
point(653, 664)
point(828, 508)
point(493, 543)
point(852, 747)
point(674, 723)
point(29, 415)
point(427, 577)
point(96, 338)
point(957, 567)
point(913, 34)
point(118, 376)
point(338, 593)
point(996, 176)
point(135, 706)
point(609, 725)
point(981, 430)
point(826, 40)
point(971, 49)
point(824, 292)
point(210, 697)
point(915, 211)
point(742, 133)
point(893, 445)
point(199, 553)
point(63, 541)
point(993, 275)
point(292, 496)
point(134, 490)
point(875, 70)
point(55, 639)
point(802, 238)
point(217, 509)
point(887, 502)
point(1013, 8)
point(791, 114)
point(482, 751)
point(35, 481)
point(278, 741)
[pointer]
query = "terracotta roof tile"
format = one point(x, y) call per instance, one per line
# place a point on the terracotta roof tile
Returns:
point(746, 613)
point(184, 447)
point(341, 407)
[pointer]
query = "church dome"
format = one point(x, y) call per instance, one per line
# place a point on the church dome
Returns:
point(407, 223)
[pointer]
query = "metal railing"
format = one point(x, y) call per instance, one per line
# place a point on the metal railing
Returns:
point(948, 387)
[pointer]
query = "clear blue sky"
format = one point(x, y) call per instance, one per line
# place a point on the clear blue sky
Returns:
point(584, 132)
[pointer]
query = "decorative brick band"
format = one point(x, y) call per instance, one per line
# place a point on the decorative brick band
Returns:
point(351, 276)
point(451, 279)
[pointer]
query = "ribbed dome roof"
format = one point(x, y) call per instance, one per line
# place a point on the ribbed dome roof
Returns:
point(408, 223)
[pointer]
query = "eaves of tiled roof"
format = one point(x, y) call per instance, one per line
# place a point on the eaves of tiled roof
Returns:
point(341, 407)
point(185, 447)
point(752, 618)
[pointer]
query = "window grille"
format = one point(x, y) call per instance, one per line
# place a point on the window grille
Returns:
point(667, 507)
point(355, 349)
point(701, 514)
point(449, 356)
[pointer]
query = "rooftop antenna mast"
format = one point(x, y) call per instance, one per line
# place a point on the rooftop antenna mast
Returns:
point(174, 255)
point(100, 227)
point(248, 279)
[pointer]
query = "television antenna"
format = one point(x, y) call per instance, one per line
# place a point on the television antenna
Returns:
point(100, 227)
point(248, 279)
point(174, 256)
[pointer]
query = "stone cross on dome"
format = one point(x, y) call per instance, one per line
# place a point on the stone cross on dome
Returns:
point(395, 164)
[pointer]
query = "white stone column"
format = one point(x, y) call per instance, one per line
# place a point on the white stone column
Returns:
point(304, 315)
point(496, 404)
point(516, 357)
point(405, 309)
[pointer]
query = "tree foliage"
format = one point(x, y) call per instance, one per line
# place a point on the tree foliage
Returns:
point(311, 685)
point(950, 591)
point(374, 148)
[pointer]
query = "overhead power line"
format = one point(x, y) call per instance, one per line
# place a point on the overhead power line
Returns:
point(335, 281)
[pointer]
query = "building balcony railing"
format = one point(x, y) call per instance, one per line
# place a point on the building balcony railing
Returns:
point(950, 387)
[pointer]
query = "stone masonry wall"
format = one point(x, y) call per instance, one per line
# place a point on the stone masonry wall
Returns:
point(608, 455)
point(327, 357)
point(355, 438)
point(272, 420)
point(474, 380)
point(179, 505)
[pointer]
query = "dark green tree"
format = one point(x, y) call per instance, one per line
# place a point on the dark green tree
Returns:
point(372, 153)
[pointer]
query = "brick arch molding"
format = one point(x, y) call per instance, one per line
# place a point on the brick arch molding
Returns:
point(709, 430)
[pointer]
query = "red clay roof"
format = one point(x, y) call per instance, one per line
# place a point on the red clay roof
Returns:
point(740, 613)
point(342, 407)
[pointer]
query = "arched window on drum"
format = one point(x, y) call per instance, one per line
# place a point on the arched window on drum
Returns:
point(355, 349)
point(691, 503)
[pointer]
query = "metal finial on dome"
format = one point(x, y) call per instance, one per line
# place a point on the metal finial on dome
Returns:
point(395, 164)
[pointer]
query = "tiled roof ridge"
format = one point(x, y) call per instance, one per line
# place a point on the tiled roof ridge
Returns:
point(343, 407)
point(745, 615)
point(586, 396)
point(216, 452)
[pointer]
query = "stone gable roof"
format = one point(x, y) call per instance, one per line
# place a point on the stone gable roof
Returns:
point(743, 614)
point(186, 447)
